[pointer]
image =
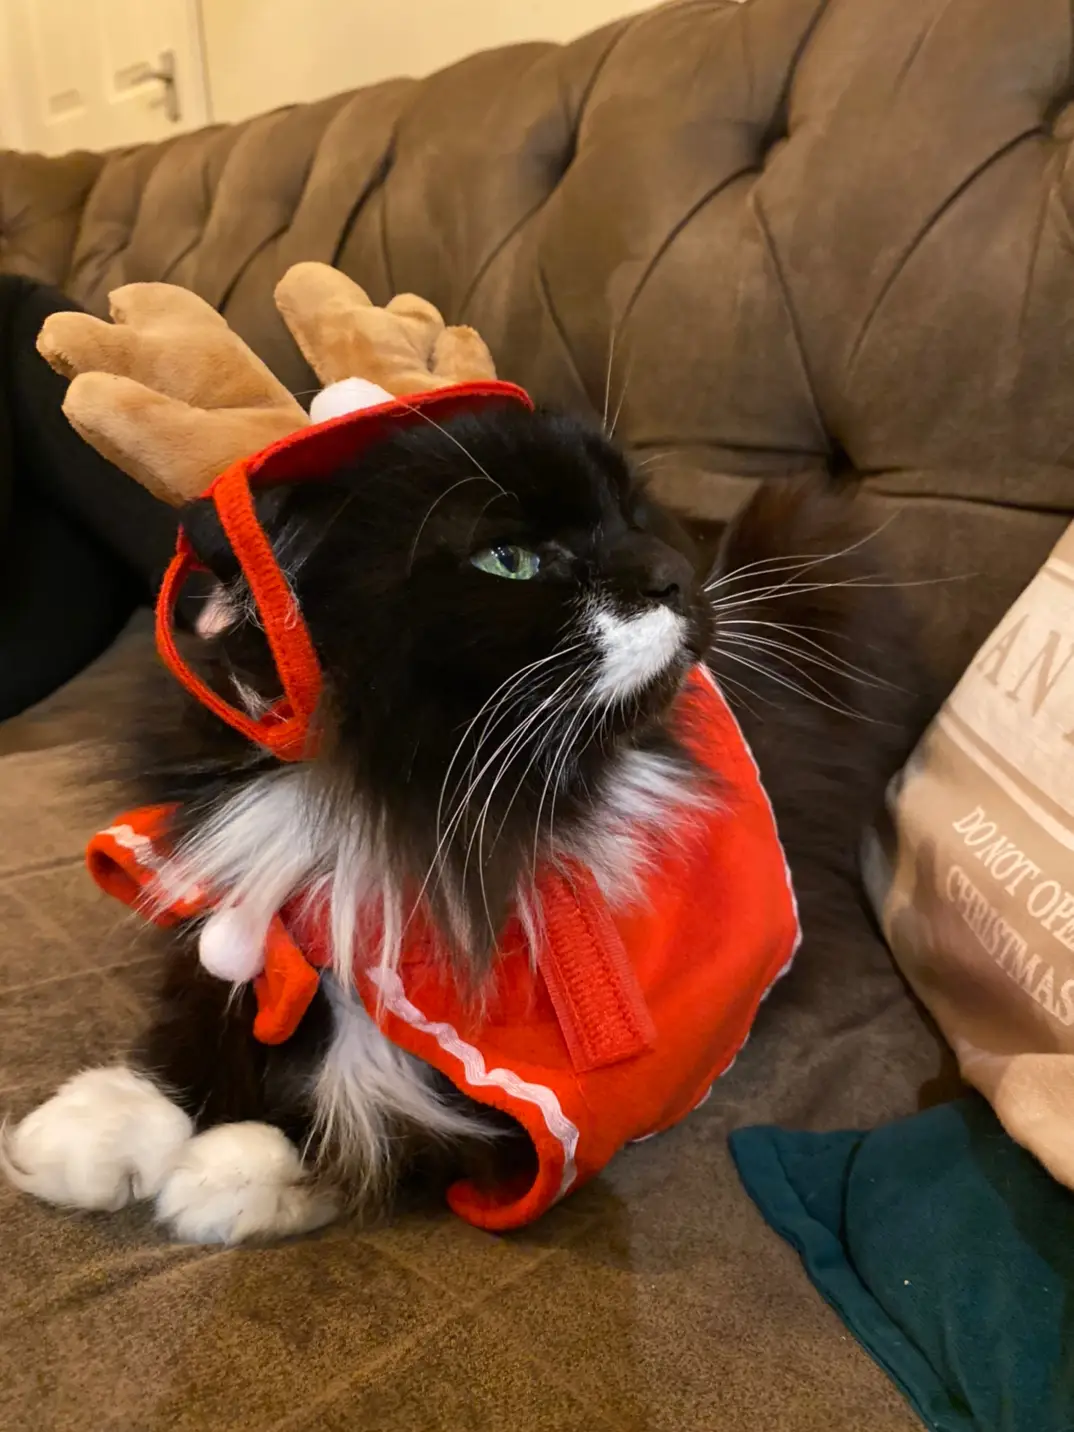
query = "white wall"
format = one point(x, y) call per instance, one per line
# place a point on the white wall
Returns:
point(263, 53)
point(11, 103)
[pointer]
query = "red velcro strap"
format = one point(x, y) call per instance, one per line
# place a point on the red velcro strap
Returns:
point(592, 986)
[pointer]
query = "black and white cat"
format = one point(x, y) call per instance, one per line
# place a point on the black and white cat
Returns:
point(503, 619)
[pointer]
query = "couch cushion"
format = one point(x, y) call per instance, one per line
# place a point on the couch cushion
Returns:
point(41, 208)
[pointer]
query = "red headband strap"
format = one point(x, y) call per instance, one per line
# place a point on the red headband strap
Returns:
point(286, 728)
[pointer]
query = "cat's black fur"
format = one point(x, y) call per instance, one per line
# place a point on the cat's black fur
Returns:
point(412, 640)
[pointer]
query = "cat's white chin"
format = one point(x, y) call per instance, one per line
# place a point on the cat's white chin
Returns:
point(635, 650)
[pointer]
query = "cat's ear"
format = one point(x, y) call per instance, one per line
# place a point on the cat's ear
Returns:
point(201, 523)
point(221, 603)
point(205, 533)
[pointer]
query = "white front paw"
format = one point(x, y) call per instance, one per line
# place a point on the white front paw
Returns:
point(105, 1137)
point(239, 1181)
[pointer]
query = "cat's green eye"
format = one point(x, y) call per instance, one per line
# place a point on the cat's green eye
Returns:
point(514, 562)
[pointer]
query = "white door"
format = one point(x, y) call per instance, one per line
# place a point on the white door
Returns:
point(98, 74)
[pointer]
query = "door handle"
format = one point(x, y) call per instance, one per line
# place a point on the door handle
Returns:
point(168, 99)
point(164, 74)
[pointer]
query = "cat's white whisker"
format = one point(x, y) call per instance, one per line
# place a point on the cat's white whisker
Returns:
point(645, 463)
point(723, 680)
point(809, 560)
point(608, 378)
point(622, 397)
point(511, 703)
point(496, 718)
point(868, 584)
point(537, 743)
point(418, 412)
point(478, 833)
point(440, 497)
point(542, 735)
point(500, 694)
point(764, 651)
point(813, 654)
point(790, 685)
point(512, 741)
point(558, 760)
point(781, 590)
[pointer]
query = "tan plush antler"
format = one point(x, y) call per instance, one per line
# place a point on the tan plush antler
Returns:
point(166, 391)
point(170, 395)
point(404, 348)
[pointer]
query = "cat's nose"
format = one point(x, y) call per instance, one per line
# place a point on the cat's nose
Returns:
point(668, 578)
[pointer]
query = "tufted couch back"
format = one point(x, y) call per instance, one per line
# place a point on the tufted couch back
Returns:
point(781, 236)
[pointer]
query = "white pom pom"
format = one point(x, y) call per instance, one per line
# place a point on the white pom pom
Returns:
point(230, 949)
point(349, 395)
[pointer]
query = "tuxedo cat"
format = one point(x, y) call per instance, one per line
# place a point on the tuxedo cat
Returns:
point(504, 620)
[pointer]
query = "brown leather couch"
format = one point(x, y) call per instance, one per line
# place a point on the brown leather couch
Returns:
point(799, 236)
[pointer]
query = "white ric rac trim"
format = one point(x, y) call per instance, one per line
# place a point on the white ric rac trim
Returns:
point(149, 858)
point(390, 987)
point(140, 846)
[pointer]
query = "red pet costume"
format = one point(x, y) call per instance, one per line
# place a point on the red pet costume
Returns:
point(626, 1017)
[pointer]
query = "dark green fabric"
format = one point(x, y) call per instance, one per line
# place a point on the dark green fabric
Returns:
point(945, 1248)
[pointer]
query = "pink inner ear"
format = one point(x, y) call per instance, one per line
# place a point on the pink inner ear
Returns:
point(350, 395)
point(217, 614)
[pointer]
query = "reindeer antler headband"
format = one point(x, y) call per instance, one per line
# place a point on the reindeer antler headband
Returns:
point(169, 394)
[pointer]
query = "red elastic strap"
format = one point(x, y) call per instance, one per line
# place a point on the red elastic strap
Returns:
point(593, 988)
point(280, 729)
